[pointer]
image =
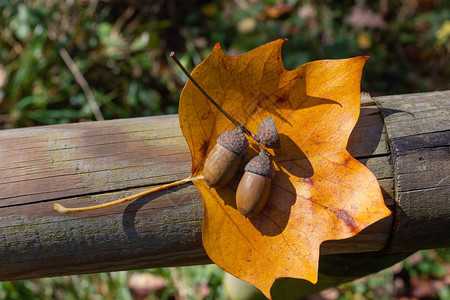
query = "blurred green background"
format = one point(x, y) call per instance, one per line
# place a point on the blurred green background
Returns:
point(71, 61)
point(121, 49)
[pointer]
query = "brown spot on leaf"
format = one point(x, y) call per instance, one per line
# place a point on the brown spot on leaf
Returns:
point(255, 109)
point(345, 161)
point(344, 215)
point(204, 148)
point(205, 116)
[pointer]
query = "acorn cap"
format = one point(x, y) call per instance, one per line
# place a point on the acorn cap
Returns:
point(268, 134)
point(234, 141)
point(261, 165)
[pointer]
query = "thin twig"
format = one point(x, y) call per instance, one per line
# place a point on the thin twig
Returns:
point(236, 123)
point(82, 82)
point(172, 55)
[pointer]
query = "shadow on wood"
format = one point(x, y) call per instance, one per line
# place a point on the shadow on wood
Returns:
point(91, 163)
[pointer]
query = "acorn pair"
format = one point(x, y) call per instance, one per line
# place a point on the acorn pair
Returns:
point(224, 159)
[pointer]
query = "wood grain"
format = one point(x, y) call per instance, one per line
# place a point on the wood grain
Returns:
point(418, 128)
point(96, 162)
point(88, 163)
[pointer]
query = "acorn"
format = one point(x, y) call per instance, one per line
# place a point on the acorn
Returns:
point(254, 188)
point(224, 159)
point(268, 134)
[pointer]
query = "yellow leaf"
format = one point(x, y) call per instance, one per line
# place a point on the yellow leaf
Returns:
point(319, 192)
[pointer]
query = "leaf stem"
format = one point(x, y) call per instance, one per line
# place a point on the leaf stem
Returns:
point(175, 59)
point(233, 120)
point(65, 210)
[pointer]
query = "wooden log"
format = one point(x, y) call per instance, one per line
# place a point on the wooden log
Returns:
point(96, 162)
point(418, 129)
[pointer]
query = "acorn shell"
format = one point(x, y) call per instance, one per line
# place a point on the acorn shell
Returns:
point(254, 188)
point(268, 134)
point(252, 193)
point(224, 159)
point(220, 166)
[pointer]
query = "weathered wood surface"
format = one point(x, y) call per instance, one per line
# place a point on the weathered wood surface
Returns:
point(418, 126)
point(90, 163)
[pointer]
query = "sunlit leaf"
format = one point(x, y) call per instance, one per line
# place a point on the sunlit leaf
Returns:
point(319, 193)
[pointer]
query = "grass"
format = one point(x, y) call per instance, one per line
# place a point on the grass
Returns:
point(197, 282)
point(423, 275)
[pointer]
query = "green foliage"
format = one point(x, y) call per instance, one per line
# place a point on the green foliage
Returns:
point(121, 50)
point(199, 282)
point(122, 64)
point(421, 276)
point(80, 287)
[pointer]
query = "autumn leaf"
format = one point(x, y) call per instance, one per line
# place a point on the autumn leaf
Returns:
point(319, 192)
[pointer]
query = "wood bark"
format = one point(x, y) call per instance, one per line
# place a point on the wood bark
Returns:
point(418, 128)
point(96, 162)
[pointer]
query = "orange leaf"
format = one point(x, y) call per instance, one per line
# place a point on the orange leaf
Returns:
point(319, 192)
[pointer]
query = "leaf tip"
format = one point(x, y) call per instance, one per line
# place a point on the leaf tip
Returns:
point(217, 50)
point(280, 41)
